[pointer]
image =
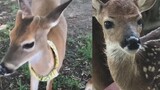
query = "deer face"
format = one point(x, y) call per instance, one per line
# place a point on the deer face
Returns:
point(28, 39)
point(25, 40)
point(122, 23)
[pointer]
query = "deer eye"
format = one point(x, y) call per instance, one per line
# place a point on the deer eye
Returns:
point(108, 24)
point(140, 22)
point(28, 45)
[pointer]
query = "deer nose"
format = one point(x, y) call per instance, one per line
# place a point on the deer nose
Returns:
point(4, 70)
point(133, 43)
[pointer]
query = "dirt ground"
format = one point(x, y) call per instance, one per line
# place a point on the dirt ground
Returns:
point(78, 16)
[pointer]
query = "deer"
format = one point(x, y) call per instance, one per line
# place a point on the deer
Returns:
point(39, 39)
point(133, 61)
point(101, 78)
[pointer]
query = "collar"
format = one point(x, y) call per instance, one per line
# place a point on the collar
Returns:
point(54, 72)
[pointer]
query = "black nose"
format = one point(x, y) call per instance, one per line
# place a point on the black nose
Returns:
point(132, 43)
point(4, 70)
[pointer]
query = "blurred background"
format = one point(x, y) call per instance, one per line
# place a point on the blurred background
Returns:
point(151, 18)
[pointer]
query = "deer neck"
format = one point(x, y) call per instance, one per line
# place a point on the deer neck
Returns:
point(58, 35)
point(43, 62)
point(121, 58)
point(122, 64)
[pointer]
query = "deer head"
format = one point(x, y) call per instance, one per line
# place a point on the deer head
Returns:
point(122, 22)
point(28, 39)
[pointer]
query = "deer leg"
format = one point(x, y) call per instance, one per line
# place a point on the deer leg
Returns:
point(34, 83)
point(89, 85)
point(49, 85)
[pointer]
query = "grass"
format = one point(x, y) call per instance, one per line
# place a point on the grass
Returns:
point(25, 70)
point(14, 8)
point(66, 81)
point(20, 85)
point(86, 47)
point(59, 82)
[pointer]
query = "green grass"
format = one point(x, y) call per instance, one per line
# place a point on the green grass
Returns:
point(69, 82)
point(86, 47)
point(66, 81)
point(60, 81)
point(10, 26)
point(20, 85)
point(14, 8)
point(25, 70)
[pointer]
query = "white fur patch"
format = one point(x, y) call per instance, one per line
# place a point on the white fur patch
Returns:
point(53, 24)
point(132, 37)
point(36, 57)
point(9, 65)
point(89, 86)
point(131, 51)
point(34, 83)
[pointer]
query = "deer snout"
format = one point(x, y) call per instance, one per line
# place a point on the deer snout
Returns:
point(4, 71)
point(132, 43)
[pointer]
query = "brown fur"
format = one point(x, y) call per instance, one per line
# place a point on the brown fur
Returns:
point(121, 8)
point(123, 66)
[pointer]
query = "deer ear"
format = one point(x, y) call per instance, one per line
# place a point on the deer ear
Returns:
point(97, 5)
point(35, 22)
point(25, 6)
point(145, 5)
point(53, 17)
point(18, 18)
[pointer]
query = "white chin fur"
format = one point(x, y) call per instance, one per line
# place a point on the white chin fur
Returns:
point(131, 51)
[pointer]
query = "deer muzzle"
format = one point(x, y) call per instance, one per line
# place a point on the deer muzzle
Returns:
point(133, 43)
point(4, 71)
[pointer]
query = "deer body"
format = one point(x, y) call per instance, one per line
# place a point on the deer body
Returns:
point(34, 27)
point(126, 56)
